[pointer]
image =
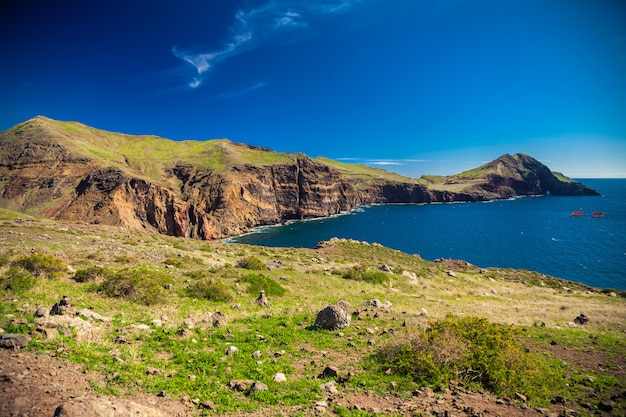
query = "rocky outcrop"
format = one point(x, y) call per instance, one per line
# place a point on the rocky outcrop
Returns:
point(51, 171)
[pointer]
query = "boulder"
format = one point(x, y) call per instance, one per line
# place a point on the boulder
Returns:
point(14, 341)
point(258, 386)
point(333, 317)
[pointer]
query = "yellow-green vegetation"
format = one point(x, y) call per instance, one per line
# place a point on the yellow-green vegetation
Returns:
point(175, 306)
point(145, 155)
point(474, 353)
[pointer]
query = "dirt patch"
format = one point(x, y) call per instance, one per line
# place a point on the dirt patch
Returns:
point(37, 384)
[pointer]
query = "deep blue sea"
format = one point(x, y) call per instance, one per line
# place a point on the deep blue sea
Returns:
point(534, 233)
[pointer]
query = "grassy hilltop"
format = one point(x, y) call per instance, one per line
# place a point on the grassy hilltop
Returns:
point(425, 337)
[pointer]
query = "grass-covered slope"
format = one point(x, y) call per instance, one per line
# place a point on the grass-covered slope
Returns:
point(147, 155)
point(425, 337)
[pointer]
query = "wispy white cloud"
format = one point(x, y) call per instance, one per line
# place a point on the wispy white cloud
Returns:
point(385, 163)
point(253, 27)
point(255, 86)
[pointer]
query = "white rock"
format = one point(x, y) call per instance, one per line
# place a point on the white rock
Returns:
point(279, 377)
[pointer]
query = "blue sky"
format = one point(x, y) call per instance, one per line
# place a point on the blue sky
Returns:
point(417, 87)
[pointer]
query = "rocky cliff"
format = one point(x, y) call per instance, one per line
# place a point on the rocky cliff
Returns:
point(216, 189)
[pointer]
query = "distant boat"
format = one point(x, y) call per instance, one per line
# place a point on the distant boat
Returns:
point(597, 214)
point(577, 213)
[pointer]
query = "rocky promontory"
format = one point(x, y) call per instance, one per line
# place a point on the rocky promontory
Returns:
point(215, 189)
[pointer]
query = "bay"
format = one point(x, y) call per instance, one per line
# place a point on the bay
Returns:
point(533, 233)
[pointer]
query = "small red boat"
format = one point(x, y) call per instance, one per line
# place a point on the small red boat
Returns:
point(597, 214)
point(577, 213)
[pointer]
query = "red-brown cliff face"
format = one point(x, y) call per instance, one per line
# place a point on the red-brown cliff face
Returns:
point(53, 169)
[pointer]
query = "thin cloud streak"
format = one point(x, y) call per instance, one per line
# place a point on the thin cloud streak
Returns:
point(250, 89)
point(252, 28)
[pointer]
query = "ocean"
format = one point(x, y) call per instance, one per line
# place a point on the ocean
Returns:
point(534, 233)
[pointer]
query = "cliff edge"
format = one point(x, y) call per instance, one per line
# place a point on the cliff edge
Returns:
point(216, 189)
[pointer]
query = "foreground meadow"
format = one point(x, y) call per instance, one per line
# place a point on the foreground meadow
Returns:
point(177, 325)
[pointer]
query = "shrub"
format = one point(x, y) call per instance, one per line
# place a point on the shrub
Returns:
point(252, 262)
point(210, 290)
point(258, 282)
point(359, 273)
point(17, 280)
point(41, 264)
point(141, 284)
point(477, 353)
point(91, 274)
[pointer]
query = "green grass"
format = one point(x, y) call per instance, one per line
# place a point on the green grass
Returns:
point(127, 284)
point(476, 354)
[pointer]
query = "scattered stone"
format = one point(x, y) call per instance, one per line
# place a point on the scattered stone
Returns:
point(231, 350)
point(48, 333)
point(141, 327)
point(329, 388)
point(374, 302)
point(157, 323)
point(581, 319)
point(189, 323)
point(97, 407)
point(258, 386)
point(279, 353)
point(192, 378)
point(240, 384)
point(121, 339)
point(521, 397)
point(14, 341)
point(41, 312)
point(451, 273)
point(207, 405)
point(218, 319)
point(385, 268)
point(262, 299)
point(333, 317)
point(153, 371)
point(18, 321)
point(320, 406)
point(279, 377)
point(329, 372)
point(89, 314)
point(423, 312)
point(606, 405)
point(63, 307)
point(184, 333)
point(256, 354)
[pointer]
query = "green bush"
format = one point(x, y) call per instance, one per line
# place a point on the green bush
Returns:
point(476, 353)
point(252, 262)
point(141, 284)
point(259, 282)
point(17, 280)
point(92, 274)
point(41, 264)
point(210, 290)
point(359, 273)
